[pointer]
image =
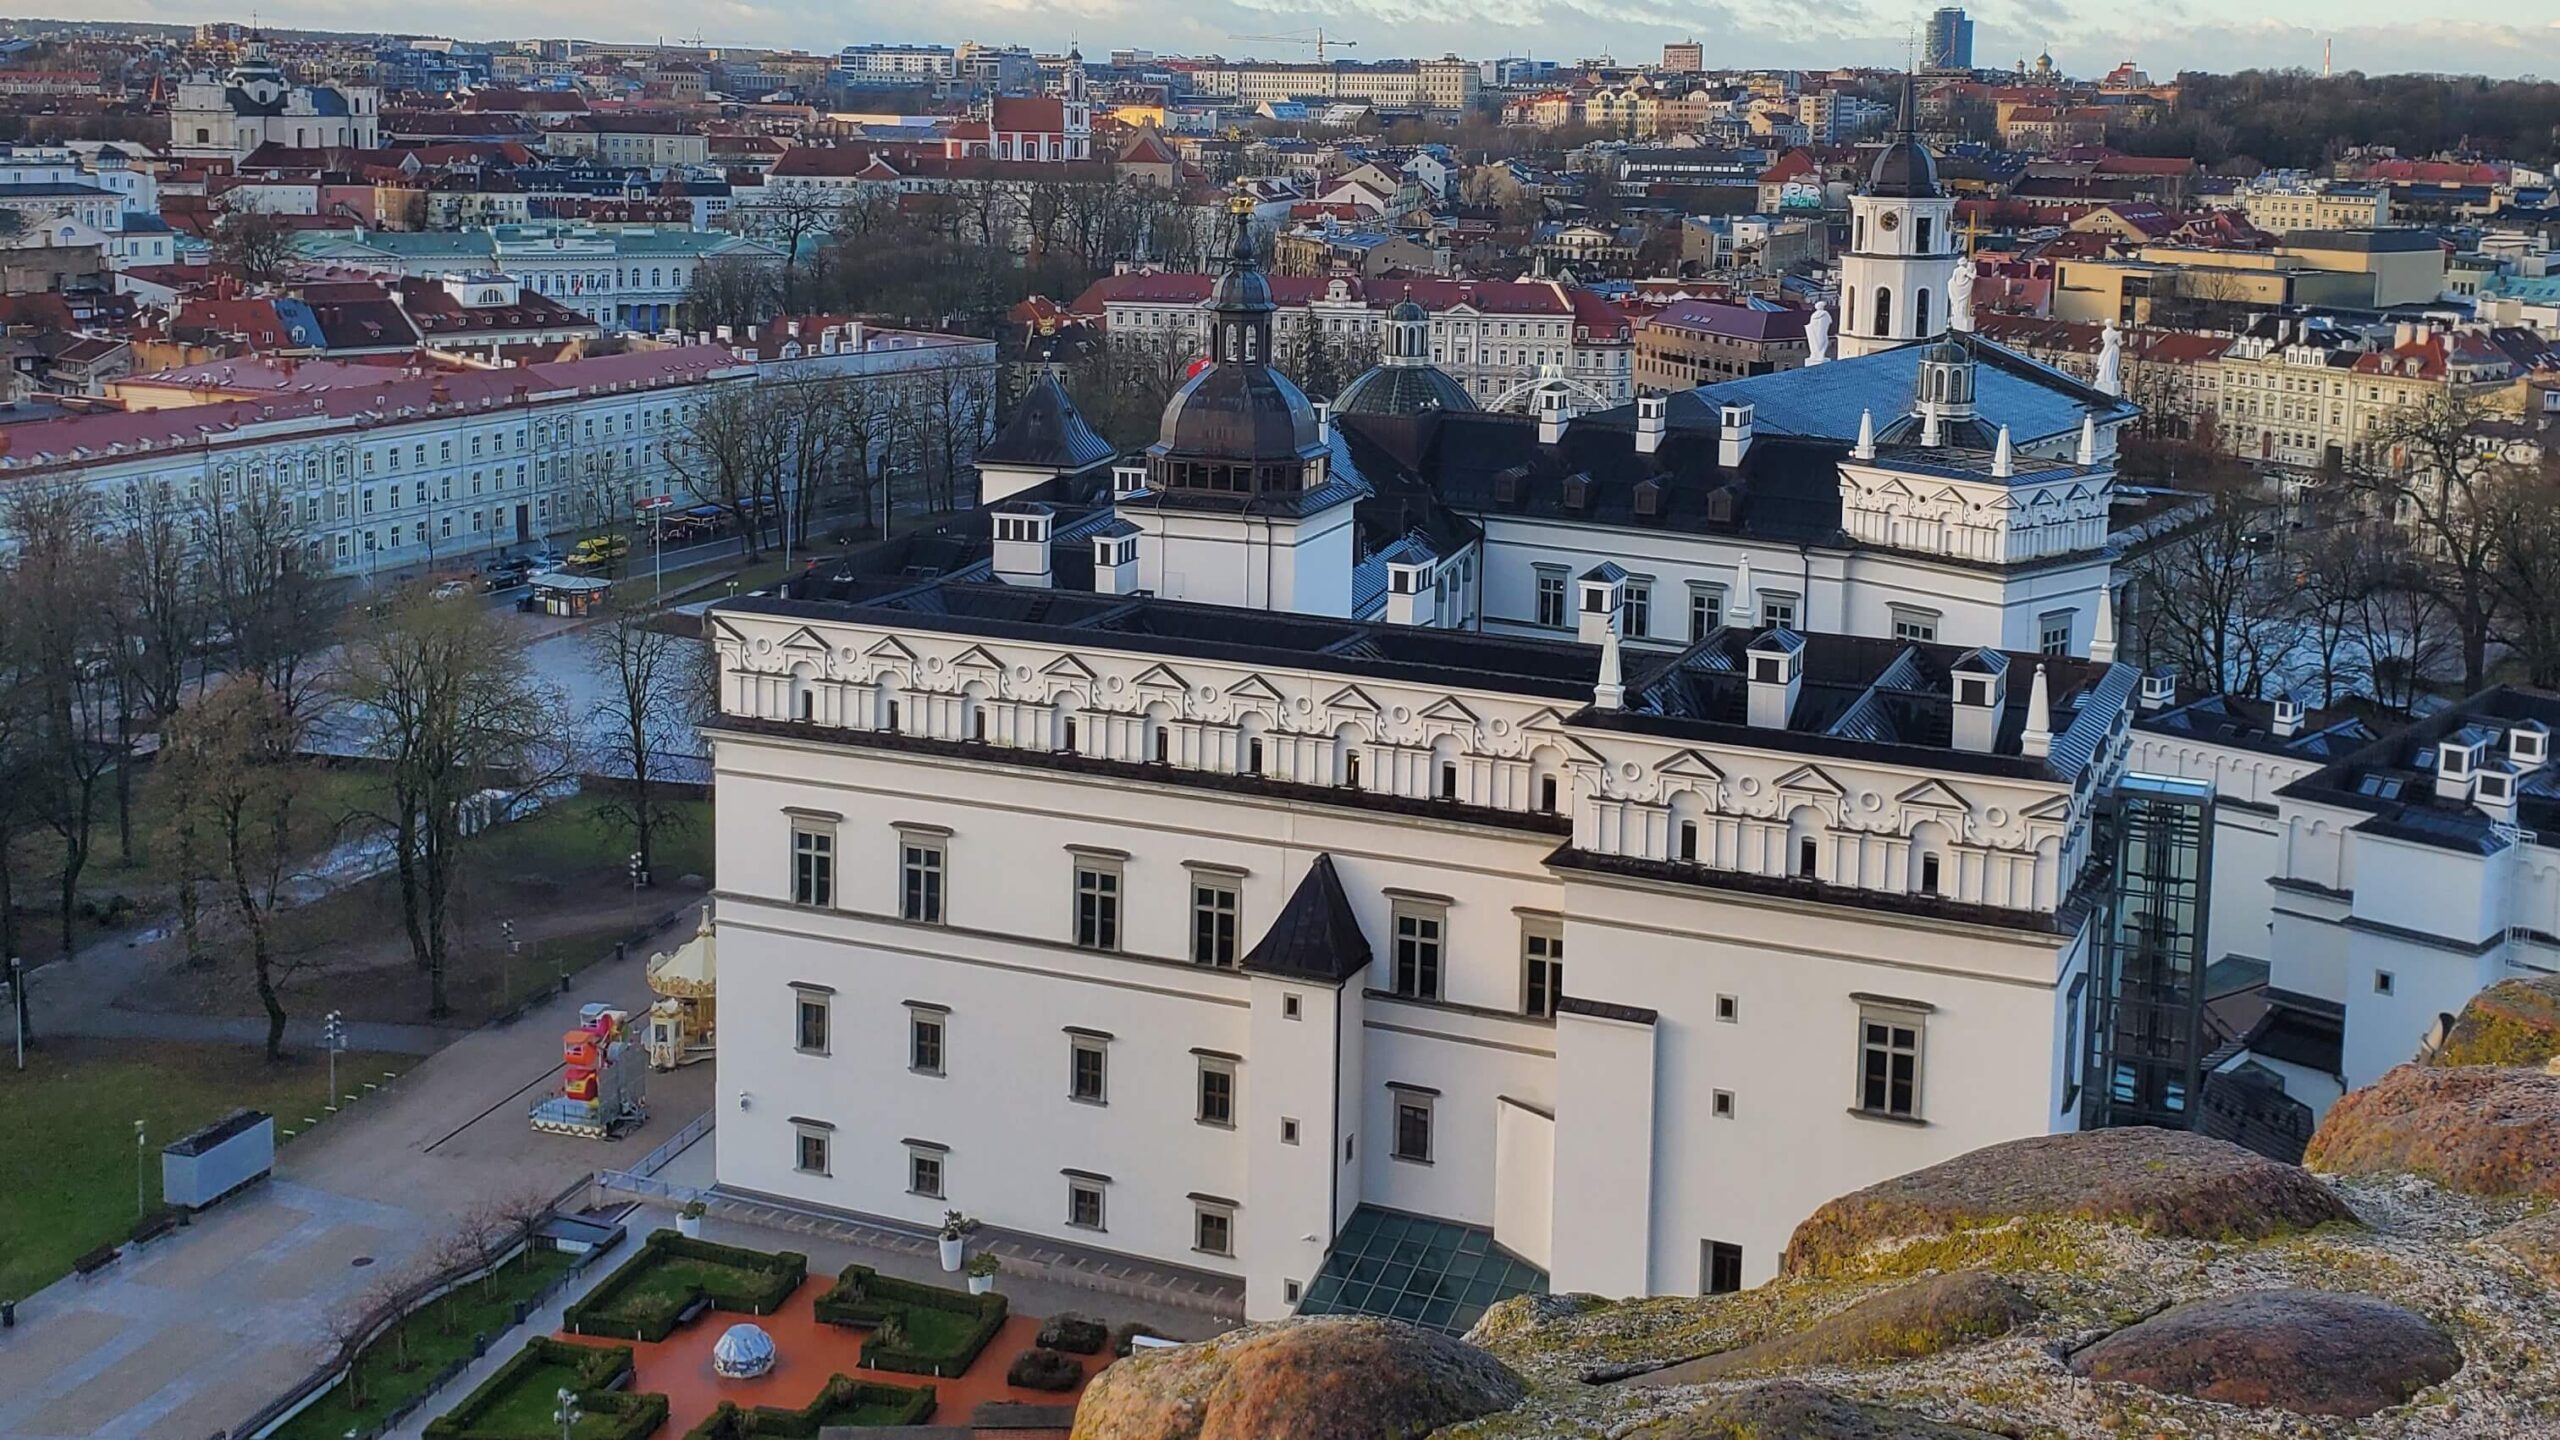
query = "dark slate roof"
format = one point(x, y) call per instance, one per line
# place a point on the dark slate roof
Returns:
point(2245, 722)
point(2036, 401)
point(1315, 936)
point(1046, 430)
point(2392, 778)
point(2300, 1030)
point(2247, 1106)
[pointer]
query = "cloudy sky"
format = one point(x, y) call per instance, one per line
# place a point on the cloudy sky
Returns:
point(2087, 37)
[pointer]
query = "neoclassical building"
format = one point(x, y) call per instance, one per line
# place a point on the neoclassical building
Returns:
point(1170, 861)
point(257, 104)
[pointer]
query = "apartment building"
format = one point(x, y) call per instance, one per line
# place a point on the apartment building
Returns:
point(1448, 83)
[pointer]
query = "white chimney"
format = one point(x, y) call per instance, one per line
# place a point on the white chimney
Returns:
point(1981, 679)
point(1022, 544)
point(2528, 745)
point(2158, 689)
point(1128, 479)
point(1652, 419)
point(1776, 677)
point(2287, 721)
point(1553, 413)
point(1733, 435)
point(1603, 587)
point(1115, 560)
point(2036, 741)
point(2495, 791)
point(1408, 588)
point(2455, 764)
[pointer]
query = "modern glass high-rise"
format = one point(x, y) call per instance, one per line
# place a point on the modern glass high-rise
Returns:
point(2145, 1015)
point(1950, 42)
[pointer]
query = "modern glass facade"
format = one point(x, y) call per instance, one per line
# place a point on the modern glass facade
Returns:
point(2146, 997)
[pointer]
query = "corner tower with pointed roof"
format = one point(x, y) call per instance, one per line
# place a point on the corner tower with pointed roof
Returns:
point(1893, 281)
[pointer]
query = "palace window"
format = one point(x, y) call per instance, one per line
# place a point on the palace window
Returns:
point(1418, 928)
point(1889, 1060)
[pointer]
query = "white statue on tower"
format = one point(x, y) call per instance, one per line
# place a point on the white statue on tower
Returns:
point(1960, 295)
point(1817, 335)
point(2111, 361)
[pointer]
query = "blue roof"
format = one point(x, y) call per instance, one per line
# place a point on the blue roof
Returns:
point(2036, 402)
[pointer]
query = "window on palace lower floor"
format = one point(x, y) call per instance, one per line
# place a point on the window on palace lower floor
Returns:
point(1778, 610)
point(1088, 1060)
point(1213, 920)
point(1541, 966)
point(924, 1169)
point(1911, 624)
point(1889, 1060)
point(1635, 609)
point(1719, 1267)
point(813, 862)
point(1418, 928)
point(809, 1030)
point(1217, 1091)
point(1551, 607)
point(1084, 1200)
point(812, 1142)
point(1097, 917)
point(925, 1027)
point(2053, 633)
point(920, 869)
point(1213, 1226)
point(1413, 1125)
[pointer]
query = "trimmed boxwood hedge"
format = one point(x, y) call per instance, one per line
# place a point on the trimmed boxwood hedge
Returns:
point(901, 1404)
point(864, 1296)
point(597, 1368)
point(618, 1308)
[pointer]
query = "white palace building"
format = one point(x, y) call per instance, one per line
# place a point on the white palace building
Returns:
point(1575, 845)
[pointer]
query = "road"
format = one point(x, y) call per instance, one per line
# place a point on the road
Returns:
point(194, 1332)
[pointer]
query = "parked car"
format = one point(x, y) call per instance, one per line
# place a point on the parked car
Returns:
point(450, 590)
point(506, 572)
point(600, 550)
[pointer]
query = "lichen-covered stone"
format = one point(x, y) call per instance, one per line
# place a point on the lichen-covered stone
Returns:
point(2478, 1129)
point(1924, 1317)
point(2514, 1022)
point(2536, 1241)
point(1505, 1318)
point(2164, 1182)
point(1322, 1378)
point(1787, 1410)
point(2312, 1352)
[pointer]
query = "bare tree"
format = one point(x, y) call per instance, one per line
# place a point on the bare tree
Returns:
point(442, 691)
point(652, 696)
point(258, 245)
point(2204, 606)
point(734, 291)
point(231, 758)
point(2527, 503)
point(266, 594)
point(63, 580)
point(2426, 471)
point(790, 216)
point(728, 449)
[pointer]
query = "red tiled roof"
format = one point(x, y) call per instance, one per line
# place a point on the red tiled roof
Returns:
point(1500, 297)
point(1035, 113)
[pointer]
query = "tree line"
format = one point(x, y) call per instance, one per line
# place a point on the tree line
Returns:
point(2294, 119)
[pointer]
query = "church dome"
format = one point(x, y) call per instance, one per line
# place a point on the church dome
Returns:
point(1238, 412)
point(1906, 170)
point(1408, 311)
point(1237, 425)
point(1402, 390)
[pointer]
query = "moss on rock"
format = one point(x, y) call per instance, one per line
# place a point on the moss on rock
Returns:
point(1787, 1410)
point(2477, 1129)
point(1924, 1317)
point(1322, 1378)
point(2514, 1022)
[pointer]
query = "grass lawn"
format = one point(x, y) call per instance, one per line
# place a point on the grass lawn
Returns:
point(526, 1407)
point(574, 839)
point(864, 1412)
point(67, 1160)
point(934, 1332)
point(435, 1337)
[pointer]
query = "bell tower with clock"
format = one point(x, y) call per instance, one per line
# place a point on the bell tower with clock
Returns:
point(1893, 281)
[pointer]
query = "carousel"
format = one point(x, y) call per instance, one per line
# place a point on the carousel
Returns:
point(683, 1017)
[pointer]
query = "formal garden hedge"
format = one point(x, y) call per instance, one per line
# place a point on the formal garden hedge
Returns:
point(672, 1277)
point(917, 1329)
point(844, 1401)
point(518, 1402)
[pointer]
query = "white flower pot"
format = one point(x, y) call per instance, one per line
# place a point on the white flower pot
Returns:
point(981, 1284)
point(951, 1248)
point(689, 1226)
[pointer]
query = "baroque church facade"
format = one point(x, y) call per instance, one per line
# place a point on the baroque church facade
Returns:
point(1587, 840)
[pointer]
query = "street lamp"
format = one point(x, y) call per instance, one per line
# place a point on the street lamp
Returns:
point(333, 1038)
point(141, 1173)
point(507, 966)
point(568, 1414)
point(639, 877)
point(18, 1005)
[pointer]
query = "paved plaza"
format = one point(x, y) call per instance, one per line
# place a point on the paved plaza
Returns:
point(191, 1334)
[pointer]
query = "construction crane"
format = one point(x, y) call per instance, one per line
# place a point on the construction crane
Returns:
point(1315, 37)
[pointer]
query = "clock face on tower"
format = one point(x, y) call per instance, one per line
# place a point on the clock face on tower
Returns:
point(1891, 220)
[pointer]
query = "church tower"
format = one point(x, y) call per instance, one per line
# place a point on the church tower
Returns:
point(1902, 246)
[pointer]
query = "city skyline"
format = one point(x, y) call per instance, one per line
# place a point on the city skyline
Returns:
point(2085, 39)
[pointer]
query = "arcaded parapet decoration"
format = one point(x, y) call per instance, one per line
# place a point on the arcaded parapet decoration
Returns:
point(2480, 1129)
point(2431, 1319)
point(2164, 1182)
point(1324, 1378)
point(2514, 1022)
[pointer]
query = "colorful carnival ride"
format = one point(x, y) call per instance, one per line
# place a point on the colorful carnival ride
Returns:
point(603, 1080)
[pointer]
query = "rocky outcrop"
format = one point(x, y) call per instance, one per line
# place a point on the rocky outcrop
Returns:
point(1787, 1410)
point(2164, 1182)
point(2512, 1023)
point(2535, 1240)
point(1326, 1378)
point(2481, 1130)
point(1924, 1317)
point(2312, 1352)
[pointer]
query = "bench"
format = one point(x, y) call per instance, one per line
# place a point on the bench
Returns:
point(95, 1261)
point(161, 1223)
